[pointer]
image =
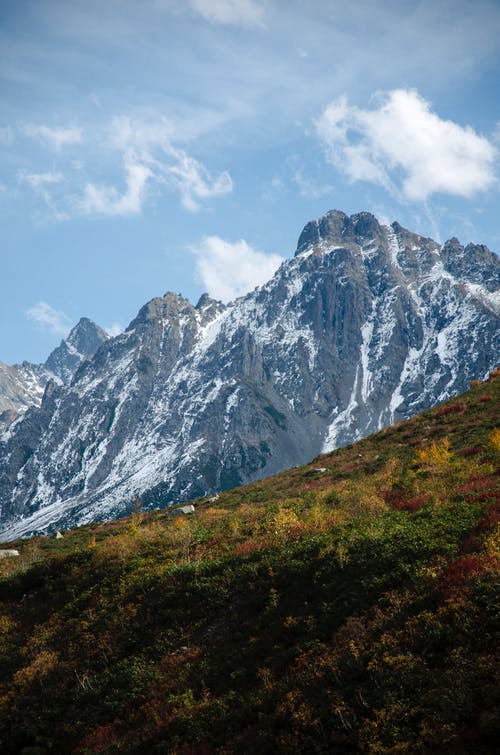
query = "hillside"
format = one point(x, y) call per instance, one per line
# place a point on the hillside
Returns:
point(366, 325)
point(349, 605)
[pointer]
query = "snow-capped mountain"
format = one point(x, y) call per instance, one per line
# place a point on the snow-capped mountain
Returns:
point(367, 324)
point(23, 385)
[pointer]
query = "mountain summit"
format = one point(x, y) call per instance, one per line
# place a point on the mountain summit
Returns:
point(367, 324)
point(23, 385)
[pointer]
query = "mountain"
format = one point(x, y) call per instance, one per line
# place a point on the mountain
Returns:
point(82, 342)
point(348, 606)
point(23, 385)
point(366, 325)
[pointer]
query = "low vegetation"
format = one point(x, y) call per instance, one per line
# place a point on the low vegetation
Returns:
point(350, 605)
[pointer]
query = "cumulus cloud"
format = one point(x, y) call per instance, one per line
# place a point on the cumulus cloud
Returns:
point(150, 157)
point(406, 147)
point(54, 137)
point(230, 12)
point(229, 270)
point(48, 317)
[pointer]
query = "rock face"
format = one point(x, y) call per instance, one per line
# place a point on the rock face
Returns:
point(82, 342)
point(366, 325)
point(23, 385)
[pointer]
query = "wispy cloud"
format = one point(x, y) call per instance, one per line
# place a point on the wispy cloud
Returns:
point(40, 180)
point(229, 270)
point(406, 147)
point(43, 185)
point(54, 137)
point(230, 12)
point(150, 157)
point(6, 136)
point(47, 317)
point(309, 188)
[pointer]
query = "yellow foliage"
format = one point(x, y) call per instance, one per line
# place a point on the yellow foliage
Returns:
point(492, 543)
point(494, 439)
point(6, 625)
point(180, 535)
point(37, 670)
point(285, 525)
point(358, 497)
point(436, 456)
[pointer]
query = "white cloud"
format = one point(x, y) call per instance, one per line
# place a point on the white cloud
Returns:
point(230, 12)
point(48, 317)
point(405, 147)
point(54, 137)
point(192, 179)
point(229, 270)
point(114, 330)
point(149, 157)
point(107, 200)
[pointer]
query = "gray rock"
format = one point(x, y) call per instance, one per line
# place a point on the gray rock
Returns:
point(184, 510)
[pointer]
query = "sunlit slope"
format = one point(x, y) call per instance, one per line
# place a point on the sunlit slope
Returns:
point(350, 605)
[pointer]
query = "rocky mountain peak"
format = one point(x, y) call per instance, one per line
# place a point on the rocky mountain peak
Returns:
point(83, 341)
point(336, 228)
point(167, 307)
point(86, 337)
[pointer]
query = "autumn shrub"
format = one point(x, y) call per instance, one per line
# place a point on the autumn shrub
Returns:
point(411, 504)
point(471, 451)
point(356, 498)
point(494, 440)
point(451, 409)
point(285, 526)
point(459, 572)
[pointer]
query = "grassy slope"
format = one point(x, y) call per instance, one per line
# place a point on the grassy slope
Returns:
point(354, 609)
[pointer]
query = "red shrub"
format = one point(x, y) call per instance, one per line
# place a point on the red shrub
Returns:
point(249, 546)
point(490, 519)
point(477, 485)
point(460, 572)
point(485, 399)
point(101, 738)
point(471, 451)
point(411, 504)
point(451, 409)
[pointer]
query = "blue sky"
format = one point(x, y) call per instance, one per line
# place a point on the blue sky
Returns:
point(182, 145)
